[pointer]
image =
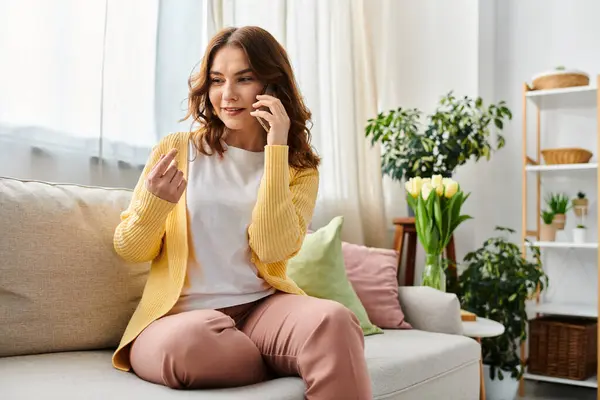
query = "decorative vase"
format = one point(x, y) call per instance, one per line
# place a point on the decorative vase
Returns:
point(580, 207)
point(433, 273)
point(579, 235)
point(559, 221)
point(548, 233)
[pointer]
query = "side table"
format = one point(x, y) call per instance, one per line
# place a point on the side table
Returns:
point(482, 328)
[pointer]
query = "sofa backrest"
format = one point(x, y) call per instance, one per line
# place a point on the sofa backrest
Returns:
point(62, 286)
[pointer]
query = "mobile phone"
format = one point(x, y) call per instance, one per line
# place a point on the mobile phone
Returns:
point(269, 90)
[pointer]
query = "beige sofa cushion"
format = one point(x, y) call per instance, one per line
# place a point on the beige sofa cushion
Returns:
point(401, 359)
point(403, 364)
point(430, 310)
point(89, 375)
point(62, 286)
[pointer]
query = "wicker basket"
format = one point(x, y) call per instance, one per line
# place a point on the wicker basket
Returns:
point(563, 347)
point(566, 156)
point(560, 79)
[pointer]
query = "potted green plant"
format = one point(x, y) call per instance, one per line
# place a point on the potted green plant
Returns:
point(458, 130)
point(580, 204)
point(496, 281)
point(559, 204)
point(548, 230)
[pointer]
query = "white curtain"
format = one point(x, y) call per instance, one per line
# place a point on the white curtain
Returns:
point(327, 42)
point(183, 32)
point(96, 76)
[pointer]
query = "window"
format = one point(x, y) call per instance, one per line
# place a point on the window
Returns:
point(80, 75)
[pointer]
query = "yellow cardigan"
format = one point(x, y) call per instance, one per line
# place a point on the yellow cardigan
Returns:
point(152, 229)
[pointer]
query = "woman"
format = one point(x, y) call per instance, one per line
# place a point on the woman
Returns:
point(219, 211)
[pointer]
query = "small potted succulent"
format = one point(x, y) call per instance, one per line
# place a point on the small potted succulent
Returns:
point(548, 230)
point(559, 204)
point(579, 234)
point(580, 204)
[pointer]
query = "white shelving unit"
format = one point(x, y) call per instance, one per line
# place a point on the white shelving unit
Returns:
point(591, 382)
point(534, 168)
point(558, 98)
point(560, 92)
point(562, 167)
point(576, 310)
point(565, 245)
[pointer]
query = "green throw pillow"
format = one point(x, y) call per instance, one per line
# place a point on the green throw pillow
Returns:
point(319, 270)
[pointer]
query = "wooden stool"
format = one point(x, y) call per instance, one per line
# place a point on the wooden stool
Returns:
point(406, 226)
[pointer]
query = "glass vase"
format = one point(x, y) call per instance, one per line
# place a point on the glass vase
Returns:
point(433, 274)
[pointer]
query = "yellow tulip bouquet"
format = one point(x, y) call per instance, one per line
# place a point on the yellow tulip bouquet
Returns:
point(437, 203)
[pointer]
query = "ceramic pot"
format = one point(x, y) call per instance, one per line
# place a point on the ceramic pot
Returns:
point(580, 207)
point(548, 233)
point(496, 389)
point(559, 221)
point(579, 235)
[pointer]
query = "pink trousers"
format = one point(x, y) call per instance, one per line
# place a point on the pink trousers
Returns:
point(281, 335)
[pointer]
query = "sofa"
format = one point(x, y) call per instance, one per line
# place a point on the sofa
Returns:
point(66, 297)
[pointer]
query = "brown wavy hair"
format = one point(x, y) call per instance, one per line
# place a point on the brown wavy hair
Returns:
point(270, 63)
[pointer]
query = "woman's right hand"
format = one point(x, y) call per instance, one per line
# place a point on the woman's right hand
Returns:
point(165, 180)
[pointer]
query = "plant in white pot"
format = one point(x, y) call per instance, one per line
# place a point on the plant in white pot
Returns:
point(559, 204)
point(548, 230)
point(579, 234)
point(496, 282)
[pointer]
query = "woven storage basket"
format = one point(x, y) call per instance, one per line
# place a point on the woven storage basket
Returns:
point(566, 156)
point(563, 347)
point(560, 79)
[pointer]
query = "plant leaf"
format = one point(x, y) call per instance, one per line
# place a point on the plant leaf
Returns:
point(437, 215)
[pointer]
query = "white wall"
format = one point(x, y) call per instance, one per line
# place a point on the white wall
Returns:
point(531, 37)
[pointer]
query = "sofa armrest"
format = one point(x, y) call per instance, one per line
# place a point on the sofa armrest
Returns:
point(428, 309)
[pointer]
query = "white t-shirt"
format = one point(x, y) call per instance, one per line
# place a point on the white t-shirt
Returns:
point(221, 195)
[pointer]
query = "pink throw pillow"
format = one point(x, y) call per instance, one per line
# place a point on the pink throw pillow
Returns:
point(372, 273)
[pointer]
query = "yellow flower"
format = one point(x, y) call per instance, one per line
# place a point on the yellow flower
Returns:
point(426, 190)
point(451, 187)
point(436, 182)
point(413, 186)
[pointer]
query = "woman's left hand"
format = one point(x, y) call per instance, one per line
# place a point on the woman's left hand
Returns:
point(277, 118)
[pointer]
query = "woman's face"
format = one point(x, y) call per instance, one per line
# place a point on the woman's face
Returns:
point(233, 88)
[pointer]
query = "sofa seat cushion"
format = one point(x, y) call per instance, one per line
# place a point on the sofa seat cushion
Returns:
point(90, 375)
point(398, 361)
point(401, 359)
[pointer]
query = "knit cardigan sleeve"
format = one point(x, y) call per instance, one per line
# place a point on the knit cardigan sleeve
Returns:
point(138, 237)
point(284, 208)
